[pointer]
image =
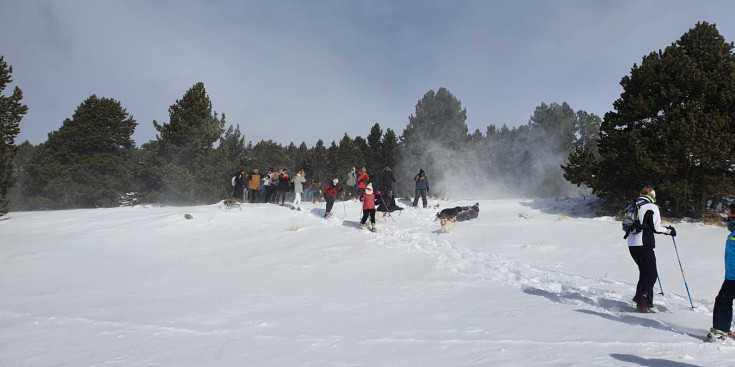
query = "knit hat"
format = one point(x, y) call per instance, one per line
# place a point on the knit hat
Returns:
point(363, 169)
point(369, 187)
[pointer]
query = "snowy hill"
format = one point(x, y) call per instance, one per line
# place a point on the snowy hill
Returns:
point(528, 283)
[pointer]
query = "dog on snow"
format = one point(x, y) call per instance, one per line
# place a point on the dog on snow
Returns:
point(450, 216)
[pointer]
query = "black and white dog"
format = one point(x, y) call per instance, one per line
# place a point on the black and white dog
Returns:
point(450, 216)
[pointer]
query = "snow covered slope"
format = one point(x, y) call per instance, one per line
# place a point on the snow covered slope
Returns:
point(528, 283)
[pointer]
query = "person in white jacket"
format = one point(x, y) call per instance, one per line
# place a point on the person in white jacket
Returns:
point(298, 188)
point(641, 243)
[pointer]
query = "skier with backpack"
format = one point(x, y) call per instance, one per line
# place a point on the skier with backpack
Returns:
point(646, 221)
point(722, 313)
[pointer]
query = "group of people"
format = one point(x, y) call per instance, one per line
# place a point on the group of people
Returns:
point(271, 187)
point(641, 244)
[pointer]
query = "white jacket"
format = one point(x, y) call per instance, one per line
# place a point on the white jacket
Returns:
point(636, 239)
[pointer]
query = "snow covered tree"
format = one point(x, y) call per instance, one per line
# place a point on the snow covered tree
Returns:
point(11, 112)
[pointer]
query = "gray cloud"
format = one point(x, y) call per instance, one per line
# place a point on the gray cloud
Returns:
point(300, 71)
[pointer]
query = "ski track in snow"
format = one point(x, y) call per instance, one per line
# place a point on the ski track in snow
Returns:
point(593, 295)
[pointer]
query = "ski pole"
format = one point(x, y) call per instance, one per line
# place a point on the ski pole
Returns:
point(659, 285)
point(386, 208)
point(673, 238)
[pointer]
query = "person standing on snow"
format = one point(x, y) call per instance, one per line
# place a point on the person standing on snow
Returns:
point(253, 186)
point(368, 207)
point(386, 182)
point(422, 187)
point(239, 185)
point(351, 182)
point(641, 245)
point(270, 192)
point(298, 189)
point(722, 313)
point(284, 185)
point(330, 192)
point(362, 181)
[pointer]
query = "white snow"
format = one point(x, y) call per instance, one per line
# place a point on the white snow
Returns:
point(528, 283)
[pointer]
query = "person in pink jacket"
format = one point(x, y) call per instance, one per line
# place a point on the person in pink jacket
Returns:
point(368, 199)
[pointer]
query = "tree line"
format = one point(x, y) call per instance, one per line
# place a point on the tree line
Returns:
point(672, 128)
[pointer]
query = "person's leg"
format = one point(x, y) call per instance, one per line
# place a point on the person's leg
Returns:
point(635, 254)
point(330, 203)
point(650, 273)
point(722, 313)
point(423, 197)
point(297, 200)
point(416, 198)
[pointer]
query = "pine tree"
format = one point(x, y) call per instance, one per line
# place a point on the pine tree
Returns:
point(86, 163)
point(11, 112)
point(186, 146)
point(673, 126)
point(435, 137)
point(373, 158)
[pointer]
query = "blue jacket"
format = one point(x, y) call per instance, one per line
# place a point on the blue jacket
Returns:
point(422, 182)
point(730, 251)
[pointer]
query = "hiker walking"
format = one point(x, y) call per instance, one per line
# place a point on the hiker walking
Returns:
point(422, 187)
point(641, 243)
point(722, 313)
point(330, 192)
point(368, 199)
point(298, 188)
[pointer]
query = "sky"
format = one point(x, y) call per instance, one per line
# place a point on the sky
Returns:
point(263, 285)
point(299, 71)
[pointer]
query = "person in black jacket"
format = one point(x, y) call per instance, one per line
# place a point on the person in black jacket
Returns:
point(386, 182)
point(238, 191)
point(284, 185)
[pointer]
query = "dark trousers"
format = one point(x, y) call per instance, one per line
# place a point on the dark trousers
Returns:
point(645, 258)
point(330, 203)
point(253, 195)
point(423, 197)
point(270, 193)
point(366, 213)
point(238, 192)
point(722, 314)
point(281, 195)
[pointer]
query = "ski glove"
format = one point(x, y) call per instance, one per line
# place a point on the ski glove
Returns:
point(672, 231)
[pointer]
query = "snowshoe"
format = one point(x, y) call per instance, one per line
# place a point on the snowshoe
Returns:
point(374, 228)
point(719, 337)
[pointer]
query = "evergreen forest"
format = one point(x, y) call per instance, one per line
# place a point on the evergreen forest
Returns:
point(673, 128)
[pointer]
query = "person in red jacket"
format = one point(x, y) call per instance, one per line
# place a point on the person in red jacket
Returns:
point(368, 199)
point(362, 181)
point(330, 192)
